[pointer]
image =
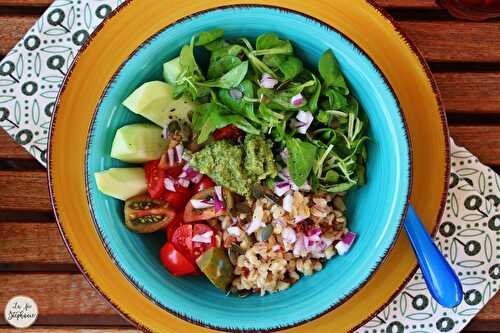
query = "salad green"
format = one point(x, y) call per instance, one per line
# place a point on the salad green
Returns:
point(264, 88)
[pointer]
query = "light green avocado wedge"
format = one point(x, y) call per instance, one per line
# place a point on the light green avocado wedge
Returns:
point(154, 101)
point(138, 143)
point(121, 183)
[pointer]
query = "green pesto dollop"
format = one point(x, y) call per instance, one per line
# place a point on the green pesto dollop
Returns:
point(236, 167)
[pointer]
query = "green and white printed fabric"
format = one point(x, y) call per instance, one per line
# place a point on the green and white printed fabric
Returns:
point(469, 232)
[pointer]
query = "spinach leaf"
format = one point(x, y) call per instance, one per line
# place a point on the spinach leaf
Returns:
point(229, 80)
point(290, 68)
point(267, 41)
point(336, 99)
point(284, 47)
point(279, 100)
point(313, 101)
point(274, 60)
point(188, 62)
point(206, 37)
point(343, 187)
point(211, 116)
point(223, 65)
point(330, 72)
point(215, 45)
point(301, 157)
point(229, 50)
point(241, 105)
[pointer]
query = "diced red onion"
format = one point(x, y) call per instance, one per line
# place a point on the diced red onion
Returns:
point(203, 238)
point(219, 199)
point(183, 182)
point(288, 202)
point(314, 232)
point(171, 157)
point(186, 156)
point(276, 247)
point(234, 231)
point(218, 192)
point(197, 178)
point(299, 245)
point(191, 173)
point(268, 81)
point(281, 188)
point(235, 93)
point(289, 235)
point(304, 121)
point(201, 204)
point(169, 184)
point(344, 246)
point(349, 237)
point(297, 100)
point(179, 150)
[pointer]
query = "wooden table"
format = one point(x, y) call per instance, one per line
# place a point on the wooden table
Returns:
point(464, 57)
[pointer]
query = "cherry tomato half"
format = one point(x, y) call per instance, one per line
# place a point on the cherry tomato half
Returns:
point(182, 239)
point(230, 132)
point(175, 262)
point(173, 225)
point(179, 198)
point(205, 183)
point(192, 214)
point(199, 247)
point(155, 178)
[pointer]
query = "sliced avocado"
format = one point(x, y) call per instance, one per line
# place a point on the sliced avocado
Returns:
point(154, 101)
point(138, 143)
point(121, 183)
point(172, 70)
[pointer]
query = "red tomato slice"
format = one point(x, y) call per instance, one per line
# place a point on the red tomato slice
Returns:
point(182, 240)
point(192, 215)
point(175, 262)
point(173, 225)
point(155, 178)
point(198, 247)
point(179, 198)
point(230, 132)
point(205, 183)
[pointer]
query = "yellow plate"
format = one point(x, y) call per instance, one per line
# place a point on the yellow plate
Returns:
point(136, 21)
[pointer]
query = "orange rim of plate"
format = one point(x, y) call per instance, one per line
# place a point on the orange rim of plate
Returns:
point(134, 22)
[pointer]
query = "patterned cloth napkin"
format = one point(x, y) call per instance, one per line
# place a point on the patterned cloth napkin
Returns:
point(469, 232)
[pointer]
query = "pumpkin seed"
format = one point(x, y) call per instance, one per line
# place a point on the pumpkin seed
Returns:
point(263, 234)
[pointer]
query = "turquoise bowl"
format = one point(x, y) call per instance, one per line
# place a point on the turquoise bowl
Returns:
point(375, 211)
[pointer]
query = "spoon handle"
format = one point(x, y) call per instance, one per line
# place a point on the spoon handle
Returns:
point(440, 278)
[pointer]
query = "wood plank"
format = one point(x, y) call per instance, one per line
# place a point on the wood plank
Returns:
point(9, 149)
point(455, 40)
point(482, 141)
point(57, 295)
point(63, 296)
point(439, 41)
point(472, 93)
point(32, 242)
point(417, 4)
point(24, 191)
point(12, 29)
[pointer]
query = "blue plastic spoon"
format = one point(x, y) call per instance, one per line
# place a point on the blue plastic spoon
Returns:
point(440, 278)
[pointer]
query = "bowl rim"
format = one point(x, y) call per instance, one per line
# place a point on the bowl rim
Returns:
point(440, 109)
point(373, 268)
